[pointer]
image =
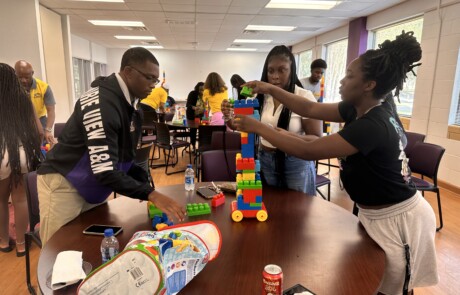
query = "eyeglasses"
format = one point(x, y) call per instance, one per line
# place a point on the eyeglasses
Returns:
point(147, 77)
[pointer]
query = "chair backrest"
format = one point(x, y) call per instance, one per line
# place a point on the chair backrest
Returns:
point(163, 135)
point(232, 140)
point(205, 135)
point(218, 166)
point(412, 139)
point(149, 118)
point(143, 156)
point(169, 116)
point(30, 184)
point(58, 127)
point(425, 159)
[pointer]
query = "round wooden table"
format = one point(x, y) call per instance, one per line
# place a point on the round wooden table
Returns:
point(316, 243)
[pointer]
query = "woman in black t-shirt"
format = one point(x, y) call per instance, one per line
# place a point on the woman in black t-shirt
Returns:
point(373, 165)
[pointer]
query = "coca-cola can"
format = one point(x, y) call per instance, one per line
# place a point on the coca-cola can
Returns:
point(272, 281)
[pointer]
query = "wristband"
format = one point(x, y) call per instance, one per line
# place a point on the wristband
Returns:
point(49, 129)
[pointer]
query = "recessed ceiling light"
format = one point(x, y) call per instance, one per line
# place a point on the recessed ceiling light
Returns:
point(115, 1)
point(135, 37)
point(119, 23)
point(302, 4)
point(148, 46)
point(252, 41)
point(241, 49)
point(270, 28)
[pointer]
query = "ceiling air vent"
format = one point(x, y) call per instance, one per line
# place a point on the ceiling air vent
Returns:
point(137, 29)
point(152, 43)
point(251, 32)
point(180, 22)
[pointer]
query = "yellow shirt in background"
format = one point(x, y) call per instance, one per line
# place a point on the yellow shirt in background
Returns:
point(157, 96)
point(214, 100)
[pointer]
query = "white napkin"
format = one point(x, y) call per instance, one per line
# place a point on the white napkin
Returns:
point(67, 269)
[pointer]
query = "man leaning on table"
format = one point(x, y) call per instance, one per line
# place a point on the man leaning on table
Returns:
point(95, 153)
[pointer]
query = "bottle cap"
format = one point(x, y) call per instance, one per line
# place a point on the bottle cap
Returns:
point(189, 166)
point(108, 232)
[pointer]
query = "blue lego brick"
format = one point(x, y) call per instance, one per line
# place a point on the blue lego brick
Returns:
point(242, 206)
point(259, 199)
point(251, 103)
point(195, 209)
point(258, 176)
point(251, 139)
point(247, 150)
point(257, 168)
point(256, 115)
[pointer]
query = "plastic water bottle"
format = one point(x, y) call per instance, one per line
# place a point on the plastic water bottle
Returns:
point(109, 245)
point(189, 178)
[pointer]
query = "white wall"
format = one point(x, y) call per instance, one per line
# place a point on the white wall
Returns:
point(185, 68)
point(21, 34)
point(56, 74)
point(317, 43)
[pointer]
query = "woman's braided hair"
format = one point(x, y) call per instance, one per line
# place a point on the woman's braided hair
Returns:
point(390, 63)
point(17, 124)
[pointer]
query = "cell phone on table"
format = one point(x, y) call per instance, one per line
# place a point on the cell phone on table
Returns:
point(98, 229)
point(297, 289)
point(206, 192)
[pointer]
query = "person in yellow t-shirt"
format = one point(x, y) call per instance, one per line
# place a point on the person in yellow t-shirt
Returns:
point(41, 96)
point(157, 98)
point(214, 93)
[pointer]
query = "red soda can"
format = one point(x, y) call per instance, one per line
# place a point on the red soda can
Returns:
point(272, 281)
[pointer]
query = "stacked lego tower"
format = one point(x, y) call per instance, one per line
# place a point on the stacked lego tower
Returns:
point(249, 187)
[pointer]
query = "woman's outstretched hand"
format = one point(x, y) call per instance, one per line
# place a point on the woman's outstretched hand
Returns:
point(246, 123)
point(259, 87)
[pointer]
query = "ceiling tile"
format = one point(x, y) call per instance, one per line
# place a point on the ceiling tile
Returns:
point(214, 2)
point(145, 6)
point(211, 9)
point(244, 9)
point(178, 8)
point(201, 16)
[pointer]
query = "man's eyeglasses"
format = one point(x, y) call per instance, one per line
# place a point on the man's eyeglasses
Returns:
point(148, 77)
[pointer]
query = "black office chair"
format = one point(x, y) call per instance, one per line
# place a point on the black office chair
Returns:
point(33, 235)
point(164, 142)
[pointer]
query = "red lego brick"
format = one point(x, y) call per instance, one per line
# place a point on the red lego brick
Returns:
point(218, 200)
point(250, 195)
point(245, 164)
point(244, 140)
point(243, 111)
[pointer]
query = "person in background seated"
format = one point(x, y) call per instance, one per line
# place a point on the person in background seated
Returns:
point(41, 96)
point(170, 102)
point(277, 168)
point(19, 153)
point(313, 83)
point(236, 82)
point(214, 93)
point(156, 100)
point(84, 168)
point(195, 108)
point(373, 166)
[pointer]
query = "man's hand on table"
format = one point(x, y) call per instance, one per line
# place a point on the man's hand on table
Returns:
point(174, 211)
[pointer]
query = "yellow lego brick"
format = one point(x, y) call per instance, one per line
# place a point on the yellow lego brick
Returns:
point(239, 177)
point(244, 134)
point(239, 192)
point(249, 176)
point(238, 156)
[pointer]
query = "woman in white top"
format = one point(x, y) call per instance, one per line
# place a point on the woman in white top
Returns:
point(277, 168)
point(20, 132)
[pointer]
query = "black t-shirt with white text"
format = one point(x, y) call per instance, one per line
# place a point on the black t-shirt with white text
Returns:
point(379, 173)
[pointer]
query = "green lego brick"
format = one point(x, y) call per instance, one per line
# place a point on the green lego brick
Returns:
point(255, 204)
point(248, 171)
point(246, 91)
point(195, 209)
point(154, 211)
point(249, 184)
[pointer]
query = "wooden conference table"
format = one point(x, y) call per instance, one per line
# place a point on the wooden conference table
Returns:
point(316, 243)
